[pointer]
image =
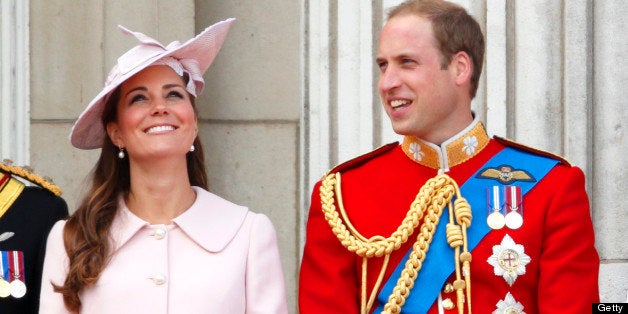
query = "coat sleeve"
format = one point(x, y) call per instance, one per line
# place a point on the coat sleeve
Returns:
point(328, 280)
point(265, 286)
point(568, 257)
point(58, 210)
point(54, 271)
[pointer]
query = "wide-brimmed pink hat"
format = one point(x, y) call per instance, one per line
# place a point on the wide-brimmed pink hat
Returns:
point(192, 57)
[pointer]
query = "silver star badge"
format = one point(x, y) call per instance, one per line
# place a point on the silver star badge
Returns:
point(509, 260)
point(509, 306)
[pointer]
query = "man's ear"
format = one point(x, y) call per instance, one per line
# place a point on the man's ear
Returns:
point(114, 134)
point(463, 67)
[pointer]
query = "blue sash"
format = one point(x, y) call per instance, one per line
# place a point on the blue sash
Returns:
point(439, 261)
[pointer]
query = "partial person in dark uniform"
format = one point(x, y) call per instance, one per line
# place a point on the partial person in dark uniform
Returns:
point(451, 220)
point(27, 213)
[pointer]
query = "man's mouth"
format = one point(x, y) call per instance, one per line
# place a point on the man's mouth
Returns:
point(399, 103)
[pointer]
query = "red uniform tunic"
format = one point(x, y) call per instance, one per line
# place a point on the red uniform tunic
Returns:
point(377, 190)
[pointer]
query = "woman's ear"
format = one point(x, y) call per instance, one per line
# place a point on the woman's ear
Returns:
point(114, 134)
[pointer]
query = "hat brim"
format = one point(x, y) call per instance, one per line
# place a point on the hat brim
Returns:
point(88, 132)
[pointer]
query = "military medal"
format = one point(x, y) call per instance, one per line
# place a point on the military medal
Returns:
point(4, 285)
point(495, 218)
point(17, 287)
point(509, 260)
point(513, 218)
point(4, 288)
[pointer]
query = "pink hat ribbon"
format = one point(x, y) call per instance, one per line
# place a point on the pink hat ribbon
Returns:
point(128, 61)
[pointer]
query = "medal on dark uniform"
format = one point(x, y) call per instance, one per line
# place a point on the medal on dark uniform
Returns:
point(4, 285)
point(495, 218)
point(4, 288)
point(17, 287)
point(514, 210)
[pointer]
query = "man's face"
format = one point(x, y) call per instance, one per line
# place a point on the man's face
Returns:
point(417, 93)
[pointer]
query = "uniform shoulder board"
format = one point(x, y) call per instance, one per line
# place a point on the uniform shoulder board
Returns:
point(357, 161)
point(28, 174)
point(532, 150)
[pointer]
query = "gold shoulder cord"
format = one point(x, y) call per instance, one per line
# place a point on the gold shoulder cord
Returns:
point(431, 199)
point(26, 173)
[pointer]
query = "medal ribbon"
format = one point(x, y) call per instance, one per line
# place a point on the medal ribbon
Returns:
point(4, 263)
point(493, 201)
point(513, 198)
point(434, 271)
point(16, 265)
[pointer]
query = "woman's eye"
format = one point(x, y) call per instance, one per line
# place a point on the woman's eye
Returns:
point(137, 98)
point(175, 94)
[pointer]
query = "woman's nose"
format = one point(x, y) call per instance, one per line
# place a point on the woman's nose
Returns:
point(159, 107)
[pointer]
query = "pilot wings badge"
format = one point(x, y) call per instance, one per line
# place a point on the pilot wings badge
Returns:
point(506, 174)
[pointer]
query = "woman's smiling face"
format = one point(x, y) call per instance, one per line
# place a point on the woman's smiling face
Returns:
point(155, 115)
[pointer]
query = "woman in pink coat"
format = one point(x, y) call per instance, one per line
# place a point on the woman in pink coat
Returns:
point(148, 237)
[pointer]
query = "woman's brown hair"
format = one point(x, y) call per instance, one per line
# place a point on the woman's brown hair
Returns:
point(87, 231)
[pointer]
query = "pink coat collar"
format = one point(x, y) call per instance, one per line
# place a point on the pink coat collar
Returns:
point(211, 222)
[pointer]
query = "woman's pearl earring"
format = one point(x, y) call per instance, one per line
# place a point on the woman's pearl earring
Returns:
point(121, 153)
point(192, 148)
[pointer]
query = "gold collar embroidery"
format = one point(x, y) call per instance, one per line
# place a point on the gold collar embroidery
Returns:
point(456, 150)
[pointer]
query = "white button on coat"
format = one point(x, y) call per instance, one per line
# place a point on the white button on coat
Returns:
point(159, 279)
point(160, 233)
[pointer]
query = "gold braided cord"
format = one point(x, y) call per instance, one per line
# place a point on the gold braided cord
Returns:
point(435, 194)
point(27, 173)
point(463, 219)
point(444, 194)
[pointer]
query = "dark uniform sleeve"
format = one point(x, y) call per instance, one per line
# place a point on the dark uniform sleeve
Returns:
point(30, 218)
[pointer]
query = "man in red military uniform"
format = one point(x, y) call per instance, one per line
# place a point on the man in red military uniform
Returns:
point(451, 220)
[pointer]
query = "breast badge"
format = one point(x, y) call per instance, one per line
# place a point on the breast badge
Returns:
point(509, 306)
point(506, 174)
point(509, 260)
point(6, 235)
